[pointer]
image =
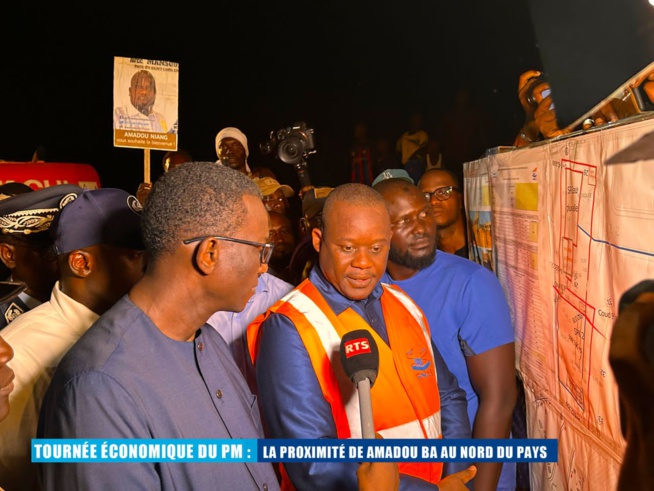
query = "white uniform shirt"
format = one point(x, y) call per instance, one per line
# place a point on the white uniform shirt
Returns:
point(40, 338)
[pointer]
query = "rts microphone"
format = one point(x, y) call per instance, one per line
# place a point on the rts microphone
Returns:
point(360, 359)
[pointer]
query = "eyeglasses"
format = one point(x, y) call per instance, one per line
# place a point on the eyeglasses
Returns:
point(441, 194)
point(264, 253)
point(269, 198)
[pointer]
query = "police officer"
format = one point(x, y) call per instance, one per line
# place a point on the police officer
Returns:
point(25, 245)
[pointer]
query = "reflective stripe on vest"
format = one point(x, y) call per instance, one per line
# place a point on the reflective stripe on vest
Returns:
point(406, 387)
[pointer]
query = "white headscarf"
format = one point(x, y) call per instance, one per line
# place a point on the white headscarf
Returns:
point(231, 132)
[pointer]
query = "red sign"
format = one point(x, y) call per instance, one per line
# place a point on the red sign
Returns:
point(45, 174)
point(356, 347)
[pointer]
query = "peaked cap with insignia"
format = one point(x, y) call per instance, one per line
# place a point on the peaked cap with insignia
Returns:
point(25, 215)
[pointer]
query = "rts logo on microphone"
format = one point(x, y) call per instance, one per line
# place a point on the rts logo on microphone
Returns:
point(357, 346)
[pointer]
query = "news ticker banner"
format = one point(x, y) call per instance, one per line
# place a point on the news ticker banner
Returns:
point(322, 450)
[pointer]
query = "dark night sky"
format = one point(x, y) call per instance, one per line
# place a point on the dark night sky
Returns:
point(258, 66)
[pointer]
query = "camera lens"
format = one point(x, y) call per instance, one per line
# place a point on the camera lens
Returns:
point(290, 150)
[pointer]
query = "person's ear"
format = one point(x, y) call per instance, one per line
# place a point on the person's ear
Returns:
point(206, 255)
point(316, 239)
point(8, 255)
point(80, 263)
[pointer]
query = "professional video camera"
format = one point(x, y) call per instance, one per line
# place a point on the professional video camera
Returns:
point(293, 145)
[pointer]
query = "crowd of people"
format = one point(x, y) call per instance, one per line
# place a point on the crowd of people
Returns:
point(229, 327)
point(210, 305)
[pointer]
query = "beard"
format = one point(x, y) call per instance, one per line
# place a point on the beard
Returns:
point(407, 260)
point(144, 107)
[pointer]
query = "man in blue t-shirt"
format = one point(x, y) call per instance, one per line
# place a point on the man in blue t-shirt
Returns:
point(468, 317)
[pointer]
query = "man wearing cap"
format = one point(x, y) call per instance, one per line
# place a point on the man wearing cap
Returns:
point(275, 195)
point(393, 174)
point(97, 238)
point(232, 149)
point(8, 190)
point(25, 219)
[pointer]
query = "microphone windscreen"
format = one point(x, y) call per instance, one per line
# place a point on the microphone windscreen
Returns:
point(359, 356)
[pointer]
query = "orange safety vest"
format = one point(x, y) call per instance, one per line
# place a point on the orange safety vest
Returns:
point(405, 398)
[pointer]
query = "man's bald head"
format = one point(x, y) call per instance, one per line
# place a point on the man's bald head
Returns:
point(350, 194)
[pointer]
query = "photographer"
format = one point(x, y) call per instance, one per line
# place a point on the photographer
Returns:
point(540, 118)
point(535, 97)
